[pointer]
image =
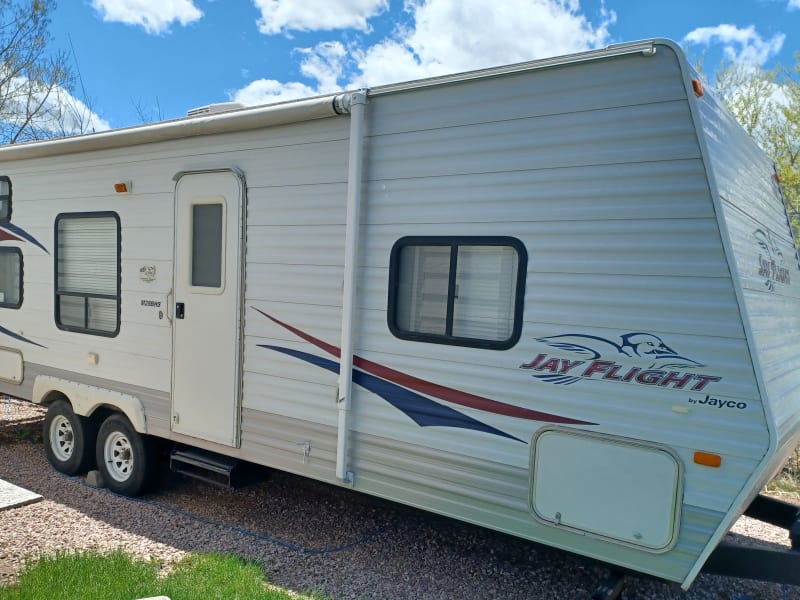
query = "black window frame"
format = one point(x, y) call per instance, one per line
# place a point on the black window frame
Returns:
point(454, 242)
point(86, 296)
point(7, 217)
point(18, 252)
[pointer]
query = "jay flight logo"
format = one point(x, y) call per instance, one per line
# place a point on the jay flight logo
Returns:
point(770, 261)
point(636, 357)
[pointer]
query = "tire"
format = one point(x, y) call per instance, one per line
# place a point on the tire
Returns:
point(69, 439)
point(127, 459)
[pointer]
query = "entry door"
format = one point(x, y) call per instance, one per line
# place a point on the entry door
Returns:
point(207, 312)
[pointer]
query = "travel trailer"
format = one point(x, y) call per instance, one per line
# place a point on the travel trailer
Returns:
point(558, 299)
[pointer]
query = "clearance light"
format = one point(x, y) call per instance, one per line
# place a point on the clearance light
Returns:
point(707, 459)
point(123, 187)
point(777, 178)
point(697, 86)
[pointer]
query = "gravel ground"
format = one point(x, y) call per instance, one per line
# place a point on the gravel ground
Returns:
point(390, 552)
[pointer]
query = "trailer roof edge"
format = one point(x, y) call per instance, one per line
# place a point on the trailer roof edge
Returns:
point(292, 111)
point(231, 121)
point(644, 47)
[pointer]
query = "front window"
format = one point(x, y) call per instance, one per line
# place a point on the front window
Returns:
point(460, 291)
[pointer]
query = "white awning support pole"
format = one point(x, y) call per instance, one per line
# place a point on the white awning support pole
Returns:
point(358, 101)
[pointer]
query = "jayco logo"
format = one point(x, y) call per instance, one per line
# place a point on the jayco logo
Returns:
point(719, 403)
point(638, 358)
point(770, 261)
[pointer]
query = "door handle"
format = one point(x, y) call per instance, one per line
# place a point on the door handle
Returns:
point(179, 310)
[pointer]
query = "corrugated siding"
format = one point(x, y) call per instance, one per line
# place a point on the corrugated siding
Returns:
point(765, 256)
point(483, 491)
point(294, 271)
point(285, 191)
point(606, 188)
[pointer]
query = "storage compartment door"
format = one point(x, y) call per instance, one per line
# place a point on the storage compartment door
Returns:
point(10, 365)
point(615, 488)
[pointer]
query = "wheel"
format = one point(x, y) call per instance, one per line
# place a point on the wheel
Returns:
point(68, 439)
point(127, 460)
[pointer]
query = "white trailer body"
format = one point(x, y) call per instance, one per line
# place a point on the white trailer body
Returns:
point(563, 296)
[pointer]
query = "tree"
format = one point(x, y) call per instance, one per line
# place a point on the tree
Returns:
point(783, 143)
point(35, 85)
point(767, 104)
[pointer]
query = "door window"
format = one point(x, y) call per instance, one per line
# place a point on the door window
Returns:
point(207, 245)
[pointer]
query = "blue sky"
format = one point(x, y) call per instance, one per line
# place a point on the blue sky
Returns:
point(155, 59)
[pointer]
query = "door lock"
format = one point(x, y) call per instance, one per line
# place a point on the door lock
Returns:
point(180, 309)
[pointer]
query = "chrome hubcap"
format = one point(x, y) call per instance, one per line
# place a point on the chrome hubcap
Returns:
point(118, 455)
point(62, 438)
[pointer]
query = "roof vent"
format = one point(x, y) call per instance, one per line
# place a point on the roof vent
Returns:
point(213, 109)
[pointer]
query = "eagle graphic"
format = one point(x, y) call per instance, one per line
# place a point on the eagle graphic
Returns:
point(645, 349)
point(646, 346)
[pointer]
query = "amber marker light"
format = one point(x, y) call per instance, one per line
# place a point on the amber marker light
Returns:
point(707, 459)
point(697, 86)
point(123, 187)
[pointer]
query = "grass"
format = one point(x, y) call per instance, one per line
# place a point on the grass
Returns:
point(94, 576)
point(787, 483)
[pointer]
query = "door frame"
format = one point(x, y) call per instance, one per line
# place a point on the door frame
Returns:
point(238, 273)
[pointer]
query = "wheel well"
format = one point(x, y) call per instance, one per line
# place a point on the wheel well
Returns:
point(52, 396)
point(102, 412)
point(90, 401)
point(99, 414)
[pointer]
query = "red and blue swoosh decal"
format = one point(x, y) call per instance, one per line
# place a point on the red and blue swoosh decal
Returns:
point(12, 233)
point(16, 336)
point(405, 392)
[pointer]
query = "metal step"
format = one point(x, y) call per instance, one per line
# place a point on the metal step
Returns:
point(215, 469)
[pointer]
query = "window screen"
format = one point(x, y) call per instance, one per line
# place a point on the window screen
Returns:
point(207, 245)
point(10, 278)
point(5, 198)
point(88, 273)
point(461, 291)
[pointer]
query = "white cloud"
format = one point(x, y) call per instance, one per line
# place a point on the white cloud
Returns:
point(744, 46)
point(458, 35)
point(71, 116)
point(317, 15)
point(443, 36)
point(267, 91)
point(326, 64)
point(60, 113)
point(155, 16)
point(793, 5)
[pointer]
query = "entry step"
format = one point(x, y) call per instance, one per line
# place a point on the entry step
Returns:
point(213, 468)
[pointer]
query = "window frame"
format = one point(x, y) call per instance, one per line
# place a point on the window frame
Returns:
point(7, 217)
point(56, 293)
point(454, 242)
point(208, 289)
point(18, 252)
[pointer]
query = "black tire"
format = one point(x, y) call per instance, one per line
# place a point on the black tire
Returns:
point(69, 439)
point(127, 460)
